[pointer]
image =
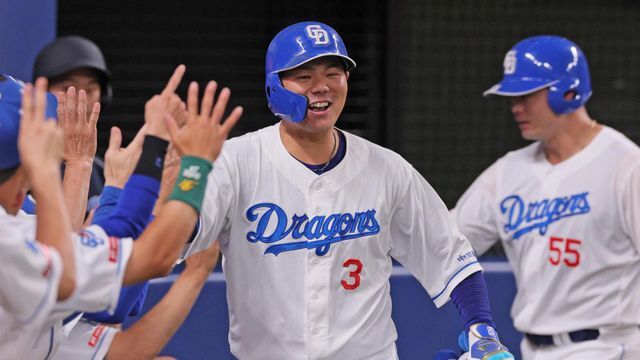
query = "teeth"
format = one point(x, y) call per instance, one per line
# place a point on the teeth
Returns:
point(320, 104)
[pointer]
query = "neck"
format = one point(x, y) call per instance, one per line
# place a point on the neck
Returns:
point(311, 148)
point(575, 131)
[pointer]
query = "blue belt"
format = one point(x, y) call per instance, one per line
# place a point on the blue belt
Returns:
point(575, 336)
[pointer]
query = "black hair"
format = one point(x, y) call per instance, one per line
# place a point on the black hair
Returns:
point(6, 174)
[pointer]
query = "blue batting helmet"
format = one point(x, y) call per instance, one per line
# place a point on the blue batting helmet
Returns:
point(293, 46)
point(10, 103)
point(546, 61)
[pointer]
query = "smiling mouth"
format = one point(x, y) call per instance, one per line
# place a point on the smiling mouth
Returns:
point(319, 106)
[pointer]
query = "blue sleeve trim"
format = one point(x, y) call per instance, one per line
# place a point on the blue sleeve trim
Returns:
point(451, 279)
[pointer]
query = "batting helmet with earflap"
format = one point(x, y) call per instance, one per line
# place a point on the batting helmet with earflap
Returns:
point(546, 61)
point(69, 53)
point(293, 46)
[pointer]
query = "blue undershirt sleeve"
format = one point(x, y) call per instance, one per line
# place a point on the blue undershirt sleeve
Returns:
point(472, 300)
point(128, 218)
point(133, 211)
point(107, 204)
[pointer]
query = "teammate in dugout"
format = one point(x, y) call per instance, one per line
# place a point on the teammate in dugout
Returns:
point(74, 63)
point(102, 262)
point(309, 216)
point(566, 208)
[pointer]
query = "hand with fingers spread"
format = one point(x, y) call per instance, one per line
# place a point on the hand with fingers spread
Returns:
point(80, 142)
point(203, 134)
point(78, 126)
point(39, 140)
point(119, 162)
point(167, 103)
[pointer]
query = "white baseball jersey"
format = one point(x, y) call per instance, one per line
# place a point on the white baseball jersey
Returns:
point(571, 232)
point(100, 263)
point(307, 258)
point(29, 279)
point(85, 340)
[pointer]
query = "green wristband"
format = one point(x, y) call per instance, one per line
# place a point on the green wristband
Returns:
point(192, 181)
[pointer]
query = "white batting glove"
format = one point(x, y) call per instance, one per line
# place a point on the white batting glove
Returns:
point(483, 344)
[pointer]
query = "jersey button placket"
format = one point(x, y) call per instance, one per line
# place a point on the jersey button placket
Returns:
point(318, 271)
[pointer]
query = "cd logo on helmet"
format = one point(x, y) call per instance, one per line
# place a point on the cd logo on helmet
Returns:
point(317, 34)
point(510, 62)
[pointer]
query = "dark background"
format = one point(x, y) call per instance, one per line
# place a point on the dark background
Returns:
point(422, 65)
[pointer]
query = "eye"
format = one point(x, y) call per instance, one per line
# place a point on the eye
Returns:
point(303, 77)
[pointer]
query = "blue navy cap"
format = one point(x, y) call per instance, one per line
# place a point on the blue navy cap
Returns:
point(10, 103)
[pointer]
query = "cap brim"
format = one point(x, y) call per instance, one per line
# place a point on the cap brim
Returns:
point(518, 87)
point(349, 63)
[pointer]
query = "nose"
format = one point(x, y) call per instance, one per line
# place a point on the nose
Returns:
point(516, 104)
point(319, 86)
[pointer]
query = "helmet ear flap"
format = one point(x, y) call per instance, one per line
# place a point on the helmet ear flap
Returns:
point(284, 103)
point(558, 100)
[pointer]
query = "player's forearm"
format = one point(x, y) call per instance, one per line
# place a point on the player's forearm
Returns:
point(161, 242)
point(159, 246)
point(75, 183)
point(152, 332)
point(53, 226)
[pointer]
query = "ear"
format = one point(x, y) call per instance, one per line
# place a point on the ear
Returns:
point(347, 74)
point(570, 95)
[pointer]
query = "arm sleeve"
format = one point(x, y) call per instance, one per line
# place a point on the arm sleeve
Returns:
point(85, 340)
point(108, 201)
point(475, 213)
point(30, 296)
point(101, 261)
point(129, 303)
point(426, 241)
point(131, 297)
point(134, 208)
point(472, 301)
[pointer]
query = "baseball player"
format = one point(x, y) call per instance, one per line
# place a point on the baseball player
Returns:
point(149, 335)
point(566, 208)
point(71, 64)
point(309, 216)
point(104, 262)
point(46, 268)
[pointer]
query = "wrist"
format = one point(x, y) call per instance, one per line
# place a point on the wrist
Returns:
point(78, 162)
point(151, 160)
point(44, 179)
point(114, 183)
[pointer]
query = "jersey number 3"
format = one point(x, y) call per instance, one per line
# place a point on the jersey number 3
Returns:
point(355, 267)
point(570, 254)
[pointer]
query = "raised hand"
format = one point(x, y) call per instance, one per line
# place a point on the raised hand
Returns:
point(78, 127)
point(203, 133)
point(119, 162)
point(167, 103)
point(40, 141)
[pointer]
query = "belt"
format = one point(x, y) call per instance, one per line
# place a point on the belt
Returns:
point(574, 336)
